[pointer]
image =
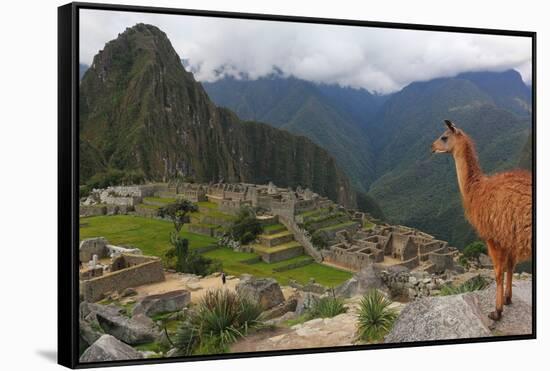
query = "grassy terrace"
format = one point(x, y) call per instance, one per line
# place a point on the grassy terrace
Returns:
point(313, 212)
point(338, 226)
point(207, 204)
point(277, 248)
point(274, 227)
point(152, 236)
point(160, 200)
point(232, 264)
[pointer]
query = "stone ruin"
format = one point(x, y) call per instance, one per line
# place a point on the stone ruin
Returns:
point(127, 267)
point(116, 199)
point(391, 245)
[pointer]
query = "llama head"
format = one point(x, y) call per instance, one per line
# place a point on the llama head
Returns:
point(448, 140)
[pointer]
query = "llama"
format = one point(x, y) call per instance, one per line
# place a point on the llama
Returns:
point(499, 207)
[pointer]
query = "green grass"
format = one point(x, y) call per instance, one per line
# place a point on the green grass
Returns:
point(275, 235)
point(338, 226)
point(160, 200)
point(284, 246)
point(207, 204)
point(147, 206)
point(274, 227)
point(296, 321)
point(152, 236)
point(368, 225)
point(232, 264)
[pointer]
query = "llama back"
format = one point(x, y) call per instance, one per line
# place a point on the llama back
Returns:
point(500, 207)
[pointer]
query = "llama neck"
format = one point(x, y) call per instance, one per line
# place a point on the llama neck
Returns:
point(468, 170)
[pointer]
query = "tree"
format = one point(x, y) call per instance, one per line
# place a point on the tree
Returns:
point(187, 261)
point(177, 212)
point(474, 250)
point(319, 240)
point(246, 227)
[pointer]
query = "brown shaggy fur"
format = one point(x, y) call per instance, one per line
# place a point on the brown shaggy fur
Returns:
point(499, 207)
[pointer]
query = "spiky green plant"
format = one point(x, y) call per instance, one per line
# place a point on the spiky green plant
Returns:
point(474, 284)
point(375, 317)
point(326, 307)
point(221, 317)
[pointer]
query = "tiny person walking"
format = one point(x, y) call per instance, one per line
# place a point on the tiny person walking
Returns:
point(223, 278)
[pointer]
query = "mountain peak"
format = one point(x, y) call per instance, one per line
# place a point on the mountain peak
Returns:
point(140, 110)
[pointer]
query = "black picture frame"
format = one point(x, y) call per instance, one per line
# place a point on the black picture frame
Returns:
point(68, 175)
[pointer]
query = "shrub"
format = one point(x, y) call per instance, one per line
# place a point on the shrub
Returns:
point(375, 317)
point(326, 307)
point(246, 227)
point(221, 317)
point(177, 212)
point(473, 250)
point(319, 240)
point(474, 284)
point(188, 261)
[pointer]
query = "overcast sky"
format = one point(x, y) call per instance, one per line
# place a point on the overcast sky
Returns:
point(380, 60)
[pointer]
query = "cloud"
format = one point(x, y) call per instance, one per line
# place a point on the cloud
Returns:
point(380, 60)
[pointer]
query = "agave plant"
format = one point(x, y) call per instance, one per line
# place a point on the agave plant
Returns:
point(221, 317)
point(326, 307)
point(474, 284)
point(375, 317)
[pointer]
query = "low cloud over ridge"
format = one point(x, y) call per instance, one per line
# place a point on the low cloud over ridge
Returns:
point(379, 60)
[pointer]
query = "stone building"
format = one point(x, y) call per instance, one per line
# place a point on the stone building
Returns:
point(390, 245)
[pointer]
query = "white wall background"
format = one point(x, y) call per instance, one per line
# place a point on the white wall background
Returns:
point(28, 247)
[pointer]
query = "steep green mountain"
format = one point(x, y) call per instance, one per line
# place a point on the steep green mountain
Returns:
point(331, 116)
point(507, 89)
point(417, 188)
point(526, 156)
point(141, 110)
point(82, 68)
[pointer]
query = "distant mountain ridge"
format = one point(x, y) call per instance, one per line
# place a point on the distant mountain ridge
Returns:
point(381, 143)
point(141, 110)
point(416, 188)
point(331, 116)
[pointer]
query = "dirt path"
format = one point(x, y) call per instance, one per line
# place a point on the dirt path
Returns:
point(197, 286)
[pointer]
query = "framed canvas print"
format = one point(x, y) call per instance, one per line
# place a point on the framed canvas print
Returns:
point(241, 185)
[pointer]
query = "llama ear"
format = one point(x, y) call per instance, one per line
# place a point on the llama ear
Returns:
point(451, 126)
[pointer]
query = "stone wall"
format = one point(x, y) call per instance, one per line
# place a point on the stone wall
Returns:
point(92, 210)
point(301, 237)
point(147, 269)
point(92, 246)
point(277, 256)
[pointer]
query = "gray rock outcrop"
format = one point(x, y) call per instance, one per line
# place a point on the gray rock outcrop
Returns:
point(163, 303)
point(463, 316)
point(139, 329)
point(361, 282)
point(264, 291)
point(279, 310)
point(108, 348)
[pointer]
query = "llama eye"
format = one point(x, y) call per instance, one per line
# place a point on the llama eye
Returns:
point(444, 139)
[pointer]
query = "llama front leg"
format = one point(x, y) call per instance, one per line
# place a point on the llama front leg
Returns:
point(498, 262)
point(510, 267)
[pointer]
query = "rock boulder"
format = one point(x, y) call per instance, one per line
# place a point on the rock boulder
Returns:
point(162, 303)
point(361, 282)
point(264, 291)
point(464, 316)
point(108, 348)
point(440, 317)
point(139, 329)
